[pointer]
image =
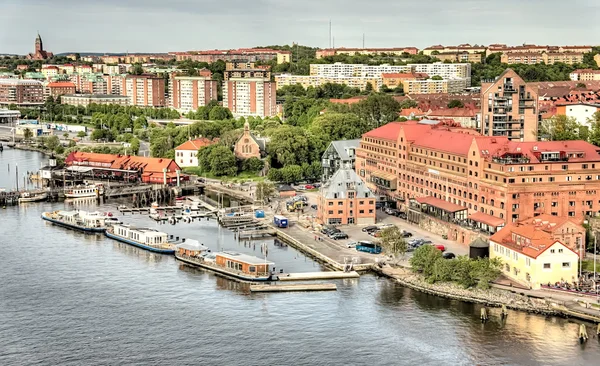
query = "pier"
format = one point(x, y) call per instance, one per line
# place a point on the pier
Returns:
point(310, 276)
point(296, 287)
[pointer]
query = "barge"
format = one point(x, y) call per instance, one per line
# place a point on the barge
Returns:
point(89, 222)
point(145, 238)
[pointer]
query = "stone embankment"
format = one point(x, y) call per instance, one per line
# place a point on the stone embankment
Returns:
point(491, 297)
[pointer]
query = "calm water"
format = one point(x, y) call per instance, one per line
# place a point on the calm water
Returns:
point(73, 299)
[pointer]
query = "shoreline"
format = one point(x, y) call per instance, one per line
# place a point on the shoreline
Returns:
point(31, 148)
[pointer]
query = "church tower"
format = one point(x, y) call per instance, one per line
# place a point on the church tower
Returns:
point(38, 44)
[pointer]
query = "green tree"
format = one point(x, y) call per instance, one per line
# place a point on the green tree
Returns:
point(486, 270)
point(393, 242)
point(222, 161)
point(66, 135)
point(252, 164)
point(455, 103)
point(560, 128)
point(594, 122)
point(135, 146)
point(424, 258)
point(81, 134)
point(219, 113)
point(408, 103)
point(136, 69)
point(290, 145)
point(27, 134)
point(369, 87)
point(52, 142)
point(377, 110)
point(338, 126)
point(291, 173)
point(581, 85)
point(264, 190)
point(274, 175)
point(437, 77)
point(204, 157)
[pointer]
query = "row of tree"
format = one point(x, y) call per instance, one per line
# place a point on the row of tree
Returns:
point(563, 128)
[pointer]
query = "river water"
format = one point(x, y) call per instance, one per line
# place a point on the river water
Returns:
point(73, 299)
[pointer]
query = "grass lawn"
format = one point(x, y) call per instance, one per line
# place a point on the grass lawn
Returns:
point(588, 265)
point(240, 177)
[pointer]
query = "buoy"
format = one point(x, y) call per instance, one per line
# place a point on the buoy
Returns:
point(484, 314)
point(504, 312)
point(583, 336)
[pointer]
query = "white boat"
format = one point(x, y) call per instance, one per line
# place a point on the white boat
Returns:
point(92, 222)
point(33, 197)
point(92, 190)
point(145, 238)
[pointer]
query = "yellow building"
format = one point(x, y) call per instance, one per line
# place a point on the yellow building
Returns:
point(532, 257)
point(315, 81)
point(283, 56)
point(597, 59)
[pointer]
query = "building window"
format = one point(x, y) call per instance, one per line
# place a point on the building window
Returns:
point(560, 250)
point(551, 251)
point(330, 212)
point(370, 211)
point(566, 265)
point(528, 262)
point(361, 211)
point(547, 266)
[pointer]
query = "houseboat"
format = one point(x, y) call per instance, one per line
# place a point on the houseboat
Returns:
point(145, 238)
point(90, 222)
point(84, 191)
point(33, 196)
point(241, 267)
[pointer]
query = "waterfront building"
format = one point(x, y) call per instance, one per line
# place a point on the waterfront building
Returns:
point(533, 256)
point(250, 146)
point(345, 200)
point(509, 108)
point(9, 116)
point(186, 154)
point(338, 155)
point(144, 90)
point(86, 99)
point(492, 176)
point(188, 93)
point(56, 89)
point(21, 92)
point(39, 52)
point(148, 170)
point(396, 51)
point(250, 97)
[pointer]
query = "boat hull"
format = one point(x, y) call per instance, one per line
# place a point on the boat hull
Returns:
point(224, 272)
point(139, 245)
point(91, 230)
point(37, 198)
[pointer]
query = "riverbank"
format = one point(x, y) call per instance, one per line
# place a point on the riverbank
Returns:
point(32, 148)
point(515, 299)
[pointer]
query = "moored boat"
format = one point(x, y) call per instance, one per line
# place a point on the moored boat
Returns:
point(33, 196)
point(235, 265)
point(83, 191)
point(145, 238)
point(90, 222)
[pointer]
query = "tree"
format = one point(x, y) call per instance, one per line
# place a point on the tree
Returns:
point(27, 134)
point(219, 113)
point(408, 103)
point(203, 155)
point(424, 258)
point(274, 175)
point(81, 134)
point(252, 164)
point(368, 87)
point(437, 77)
point(291, 173)
point(486, 270)
point(290, 145)
point(581, 85)
point(560, 128)
point(393, 242)
point(338, 126)
point(52, 142)
point(264, 190)
point(594, 122)
point(377, 110)
point(137, 69)
point(66, 135)
point(455, 103)
point(222, 161)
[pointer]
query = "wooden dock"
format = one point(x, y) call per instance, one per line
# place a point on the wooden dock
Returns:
point(295, 287)
point(310, 276)
point(259, 233)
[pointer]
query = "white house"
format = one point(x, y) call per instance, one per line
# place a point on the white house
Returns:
point(186, 154)
point(581, 112)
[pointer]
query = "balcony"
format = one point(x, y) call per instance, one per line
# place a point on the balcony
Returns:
point(525, 97)
point(509, 88)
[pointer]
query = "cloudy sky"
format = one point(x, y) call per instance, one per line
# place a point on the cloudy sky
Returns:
point(179, 25)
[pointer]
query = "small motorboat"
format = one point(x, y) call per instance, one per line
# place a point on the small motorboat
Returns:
point(32, 197)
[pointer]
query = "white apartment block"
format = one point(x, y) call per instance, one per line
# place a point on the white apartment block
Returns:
point(315, 81)
point(188, 93)
point(250, 97)
point(339, 69)
point(450, 86)
point(446, 71)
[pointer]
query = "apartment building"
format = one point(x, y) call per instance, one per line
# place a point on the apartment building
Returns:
point(245, 69)
point(585, 75)
point(509, 108)
point(459, 57)
point(188, 93)
point(250, 97)
point(315, 81)
point(430, 86)
point(482, 180)
point(144, 90)
point(49, 71)
point(446, 71)
point(21, 92)
point(339, 69)
point(338, 155)
point(582, 112)
point(60, 88)
point(397, 51)
point(549, 58)
point(529, 48)
point(86, 99)
point(345, 200)
point(438, 49)
point(249, 54)
point(396, 79)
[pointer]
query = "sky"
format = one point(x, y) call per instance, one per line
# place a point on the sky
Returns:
point(182, 25)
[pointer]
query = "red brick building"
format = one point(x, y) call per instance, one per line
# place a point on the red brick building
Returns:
point(39, 52)
point(249, 146)
point(144, 90)
point(60, 88)
point(493, 177)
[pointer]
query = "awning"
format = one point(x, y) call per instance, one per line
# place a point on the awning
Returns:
point(487, 219)
point(80, 169)
point(386, 176)
point(440, 203)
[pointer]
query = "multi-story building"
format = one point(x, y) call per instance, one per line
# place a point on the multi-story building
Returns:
point(315, 81)
point(114, 83)
point(396, 51)
point(432, 86)
point(66, 69)
point(339, 69)
point(533, 256)
point(188, 93)
point(582, 112)
point(509, 108)
point(487, 180)
point(338, 155)
point(396, 79)
point(144, 90)
point(548, 58)
point(585, 75)
point(49, 71)
point(446, 71)
point(250, 97)
point(345, 200)
point(435, 50)
point(463, 56)
point(60, 88)
point(529, 48)
point(21, 92)
point(249, 54)
point(186, 154)
point(466, 117)
point(87, 99)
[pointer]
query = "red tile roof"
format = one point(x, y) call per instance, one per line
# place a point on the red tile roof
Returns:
point(534, 241)
point(388, 131)
point(487, 219)
point(196, 144)
point(347, 101)
point(453, 142)
point(61, 84)
point(149, 165)
point(454, 112)
point(440, 203)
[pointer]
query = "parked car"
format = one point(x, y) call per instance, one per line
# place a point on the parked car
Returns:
point(369, 228)
point(440, 247)
point(309, 186)
point(401, 214)
point(333, 233)
point(448, 255)
point(351, 244)
point(390, 211)
point(314, 207)
point(379, 204)
point(339, 235)
point(406, 234)
point(385, 226)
